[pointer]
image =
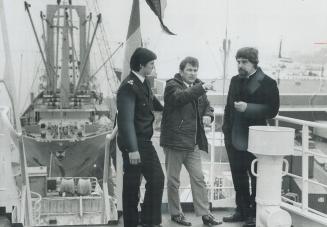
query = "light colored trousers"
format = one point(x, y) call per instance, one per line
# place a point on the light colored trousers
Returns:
point(192, 162)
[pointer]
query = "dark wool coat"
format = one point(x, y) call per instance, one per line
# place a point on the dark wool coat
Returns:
point(261, 94)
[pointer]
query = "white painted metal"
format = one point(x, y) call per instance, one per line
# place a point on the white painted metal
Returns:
point(270, 144)
point(212, 160)
point(110, 211)
point(305, 167)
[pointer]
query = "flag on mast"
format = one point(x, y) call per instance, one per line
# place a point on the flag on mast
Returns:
point(158, 7)
point(134, 37)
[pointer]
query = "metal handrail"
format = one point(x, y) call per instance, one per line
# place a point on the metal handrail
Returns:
point(107, 167)
point(18, 140)
point(300, 122)
point(36, 207)
point(305, 209)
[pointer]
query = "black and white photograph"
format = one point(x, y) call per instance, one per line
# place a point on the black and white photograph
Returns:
point(163, 113)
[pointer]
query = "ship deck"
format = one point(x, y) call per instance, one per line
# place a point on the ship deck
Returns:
point(196, 221)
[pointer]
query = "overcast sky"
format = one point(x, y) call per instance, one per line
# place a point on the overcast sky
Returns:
point(200, 27)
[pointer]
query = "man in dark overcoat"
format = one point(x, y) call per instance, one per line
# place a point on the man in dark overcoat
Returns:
point(253, 98)
point(135, 104)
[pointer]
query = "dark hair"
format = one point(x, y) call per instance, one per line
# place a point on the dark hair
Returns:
point(136, 66)
point(249, 53)
point(189, 60)
point(141, 56)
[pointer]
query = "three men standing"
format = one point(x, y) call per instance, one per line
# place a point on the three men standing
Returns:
point(135, 104)
point(186, 111)
point(252, 98)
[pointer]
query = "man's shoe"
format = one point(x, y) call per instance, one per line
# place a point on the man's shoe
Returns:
point(180, 219)
point(147, 225)
point(236, 217)
point(210, 220)
point(250, 222)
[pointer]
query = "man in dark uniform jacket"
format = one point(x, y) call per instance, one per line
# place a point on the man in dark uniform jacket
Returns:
point(183, 136)
point(253, 98)
point(135, 104)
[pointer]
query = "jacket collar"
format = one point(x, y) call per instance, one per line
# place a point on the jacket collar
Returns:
point(139, 84)
point(255, 82)
point(178, 78)
point(141, 78)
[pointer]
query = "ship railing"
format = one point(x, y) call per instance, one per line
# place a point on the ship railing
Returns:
point(36, 204)
point(219, 186)
point(26, 215)
point(110, 210)
point(303, 207)
point(216, 187)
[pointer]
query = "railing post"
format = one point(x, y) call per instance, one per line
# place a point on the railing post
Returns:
point(2, 166)
point(305, 161)
point(107, 167)
point(106, 214)
point(25, 177)
point(212, 159)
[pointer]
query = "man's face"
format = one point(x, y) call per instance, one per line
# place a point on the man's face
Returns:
point(245, 67)
point(147, 69)
point(189, 74)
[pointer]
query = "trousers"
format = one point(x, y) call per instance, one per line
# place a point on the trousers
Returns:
point(240, 165)
point(150, 169)
point(192, 162)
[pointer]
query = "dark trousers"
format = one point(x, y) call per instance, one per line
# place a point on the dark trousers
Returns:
point(240, 165)
point(151, 169)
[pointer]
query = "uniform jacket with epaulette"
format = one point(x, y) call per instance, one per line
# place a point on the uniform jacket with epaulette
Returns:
point(135, 105)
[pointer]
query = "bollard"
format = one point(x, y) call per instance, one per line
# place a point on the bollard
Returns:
point(270, 145)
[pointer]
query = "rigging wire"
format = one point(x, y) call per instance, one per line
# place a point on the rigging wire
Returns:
point(20, 79)
point(106, 43)
point(33, 83)
point(111, 90)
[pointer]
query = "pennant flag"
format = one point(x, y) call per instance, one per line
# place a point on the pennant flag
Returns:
point(158, 7)
point(133, 39)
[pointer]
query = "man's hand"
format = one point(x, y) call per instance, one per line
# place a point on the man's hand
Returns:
point(134, 158)
point(206, 121)
point(207, 86)
point(240, 106)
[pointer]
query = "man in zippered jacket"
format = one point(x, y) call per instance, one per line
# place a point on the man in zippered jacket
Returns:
point(186, 110)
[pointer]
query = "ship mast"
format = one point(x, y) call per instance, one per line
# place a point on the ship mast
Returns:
point(280, 49)
point(66, 63)
point(64, 84)
point(45, 62)
point(226, 51)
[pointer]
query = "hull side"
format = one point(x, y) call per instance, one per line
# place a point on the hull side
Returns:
point(65, 158)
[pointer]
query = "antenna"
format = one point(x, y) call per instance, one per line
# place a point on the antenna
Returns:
point(280, 49)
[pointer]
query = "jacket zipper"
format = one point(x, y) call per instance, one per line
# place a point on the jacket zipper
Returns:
point(180, 124)
point(196, 121)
